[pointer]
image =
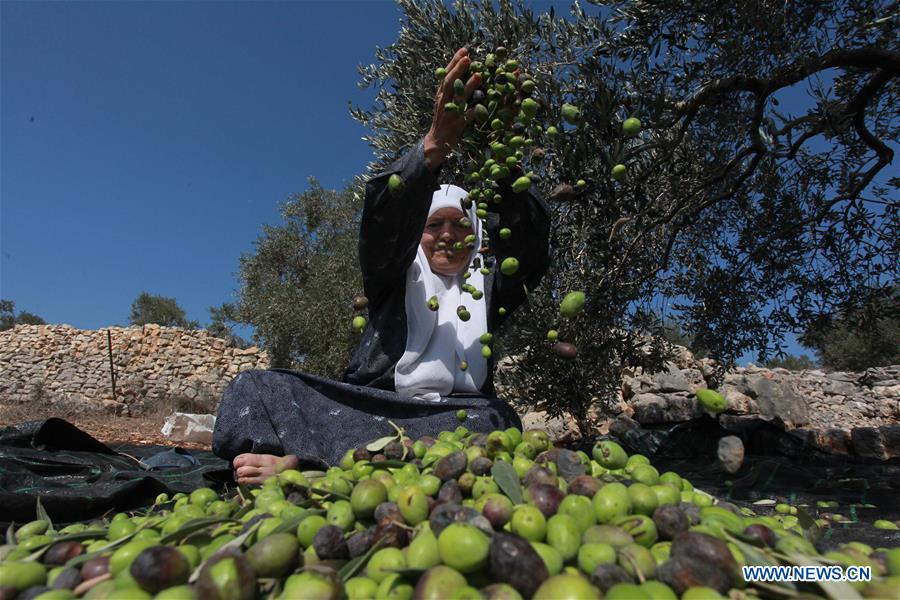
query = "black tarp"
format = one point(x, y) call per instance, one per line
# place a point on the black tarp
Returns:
point(78, 477)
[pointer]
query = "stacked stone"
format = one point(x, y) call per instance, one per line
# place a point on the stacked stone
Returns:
point(53, 364)
point(839, 412)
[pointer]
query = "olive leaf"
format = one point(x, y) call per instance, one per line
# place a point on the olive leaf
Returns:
point(753, 554)
point(193, 526)
point(243, 510)
point(779, 589)
point(354, 565)
point(236, 543)
point(326, 493)
point(114, 544)
point(379, 444)
point(87, 534)
point(39, 552)
point(811, 530)
point(507, 480)
point(42, 514)
point(244, 492)
point(408, 573)
point(11, 534)
point(291, 524)
point(388, 464)
point(835, 590)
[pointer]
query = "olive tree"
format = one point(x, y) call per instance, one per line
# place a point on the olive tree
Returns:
point(854, 340)
point(160, 310)
point(9, 318)
point(756, 197)
point(298, 284)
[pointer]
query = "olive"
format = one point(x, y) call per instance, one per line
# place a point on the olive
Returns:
point(631, 126)
point(566, 586)
point(670, 520)
point(314, 585)
point(607, 575)
point(160, 567)
point(571, 114)
point(274, 556)
point(438, 582)
point(565, 350)
point(514, 561)
point(572, 304)
point(22, 575)
point(463, 547)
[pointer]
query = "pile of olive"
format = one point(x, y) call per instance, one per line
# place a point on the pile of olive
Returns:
point(464, 515)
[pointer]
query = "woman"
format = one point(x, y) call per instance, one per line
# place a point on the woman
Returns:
point(416, 364)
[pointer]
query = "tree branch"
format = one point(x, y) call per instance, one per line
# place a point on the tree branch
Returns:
point(868, 59)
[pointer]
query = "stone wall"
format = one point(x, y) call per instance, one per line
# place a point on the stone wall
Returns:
point(840, 412)
point(155, 366)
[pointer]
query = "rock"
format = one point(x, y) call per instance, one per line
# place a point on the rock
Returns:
point(558, 428)
point(707, 368)
point(890, 435)
point(683, 358)
point(842, 376)
point(731, 453)
point(740, 404)
point(111, 407)
point(651, 409)
point(809, 436)
point(887, 391)
point(621, 424)
point(835, 441)
point(675, 380)
point(777, 400)
point(840, 388)
point(867, 441)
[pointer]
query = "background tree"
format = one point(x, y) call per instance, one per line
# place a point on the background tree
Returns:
point(222, 320)
point(297, 286)
point(9, 318)
point(160, 310)
point(858, 338)
point(792, 363)
point(756, 196)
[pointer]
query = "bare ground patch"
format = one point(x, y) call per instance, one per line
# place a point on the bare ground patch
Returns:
point(105, 427)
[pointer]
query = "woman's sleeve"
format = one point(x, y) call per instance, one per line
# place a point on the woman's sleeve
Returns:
point(392, 224)
point(528, 218)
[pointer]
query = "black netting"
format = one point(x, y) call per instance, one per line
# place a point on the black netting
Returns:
point(77, 477)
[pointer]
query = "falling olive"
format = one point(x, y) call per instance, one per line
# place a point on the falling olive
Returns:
point(396, 185)
point(360, 302)
point(565, 350)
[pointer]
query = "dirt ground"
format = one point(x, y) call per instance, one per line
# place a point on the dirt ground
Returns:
point(104, 427)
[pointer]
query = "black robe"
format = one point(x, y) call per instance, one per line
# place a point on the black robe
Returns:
point(287, 412)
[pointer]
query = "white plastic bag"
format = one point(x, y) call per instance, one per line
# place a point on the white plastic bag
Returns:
point(187, 427)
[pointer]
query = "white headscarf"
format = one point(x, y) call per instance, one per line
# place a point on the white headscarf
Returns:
point(438, 341)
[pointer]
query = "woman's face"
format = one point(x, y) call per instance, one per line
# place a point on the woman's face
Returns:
point(442, 230)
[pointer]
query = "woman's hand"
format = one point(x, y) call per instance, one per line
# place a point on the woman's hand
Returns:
point(447, 127)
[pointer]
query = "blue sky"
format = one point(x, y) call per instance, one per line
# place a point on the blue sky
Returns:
point(144, 144)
